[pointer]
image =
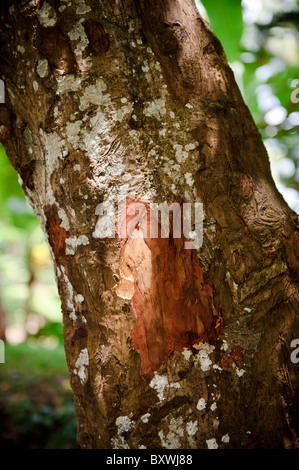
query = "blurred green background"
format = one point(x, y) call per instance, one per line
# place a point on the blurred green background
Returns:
point(260, 39)
point(36, 404)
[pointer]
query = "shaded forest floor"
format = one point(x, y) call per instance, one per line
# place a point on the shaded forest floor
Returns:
point(36, 402)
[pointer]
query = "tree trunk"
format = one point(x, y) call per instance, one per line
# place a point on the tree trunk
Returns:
point(167, 346)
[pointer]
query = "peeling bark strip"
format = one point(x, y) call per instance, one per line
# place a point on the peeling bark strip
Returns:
point(172, 302)
point(57, 236)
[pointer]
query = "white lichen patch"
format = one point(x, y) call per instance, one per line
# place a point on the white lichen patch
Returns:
point(20, 48)
point(105, 226)
point(225, 439)
point(180, 154)
point(124, 424)
point(68, 83)
point(204, 349)
point(213, 406)
point(189, 179)
point(189, 147)
point(187, 353)
point(157, 108)
point(70, 298)
point(79, 298)
point(117, 169)
point(175, 385)
point(192, 428)
point(73, 242)
point(81, 364)
point(172, 438)
point(77, 33)
point(72, 133)
point(235, 286)
point(240, 372)
point(145, 418)
point(212, 443)
point(64, 220)
point(224, 345)
point(42, 68)
point(121, 112)
point(93, 94)
point(54, 149)
point(159, 383)
point(201, 404)
point(82, 8)
point(46, 15)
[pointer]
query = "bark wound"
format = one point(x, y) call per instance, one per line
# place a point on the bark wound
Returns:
point(235, 357)
point(81, 334)
point(98, 38)
point(26, 172)
point(57, 236)
point(171, 300)
point(5, 123)
point(54, 45)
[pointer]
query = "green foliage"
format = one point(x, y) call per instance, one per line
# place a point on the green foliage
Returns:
point(36, 403)
point(227, 23)
point(36, 407)
point(14, 209)
point(263, 51)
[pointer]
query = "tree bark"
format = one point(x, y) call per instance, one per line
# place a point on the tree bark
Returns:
point(167, 347)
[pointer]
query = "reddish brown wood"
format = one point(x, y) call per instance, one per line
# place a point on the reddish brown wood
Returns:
point(172, 301)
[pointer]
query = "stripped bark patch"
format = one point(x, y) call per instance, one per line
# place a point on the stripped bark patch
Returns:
point(171, 300)
point(235, 357)
point(79, 334)
point(57, 236)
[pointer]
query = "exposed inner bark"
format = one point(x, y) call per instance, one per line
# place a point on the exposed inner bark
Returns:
point(172, 302)
point(57, 236)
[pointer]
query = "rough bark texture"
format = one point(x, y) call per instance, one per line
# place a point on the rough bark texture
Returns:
point(136, 97)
